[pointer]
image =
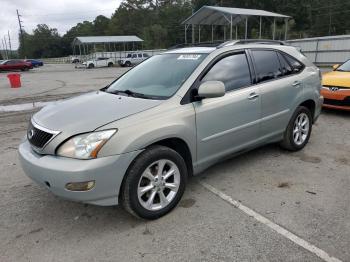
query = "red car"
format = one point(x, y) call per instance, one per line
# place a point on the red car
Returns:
point(15, 64)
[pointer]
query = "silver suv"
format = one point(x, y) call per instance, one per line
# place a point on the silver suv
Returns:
point(137, 141)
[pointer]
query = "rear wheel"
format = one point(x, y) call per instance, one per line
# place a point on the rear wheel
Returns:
point(298, 130)
point(91, 66)
point(128, 63)
point(154, 183)
point(110, 64)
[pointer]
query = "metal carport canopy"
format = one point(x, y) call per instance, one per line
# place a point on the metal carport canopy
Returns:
point(106, 39)
point(216, 15)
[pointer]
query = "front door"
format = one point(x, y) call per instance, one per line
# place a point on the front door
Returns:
point(230, 123)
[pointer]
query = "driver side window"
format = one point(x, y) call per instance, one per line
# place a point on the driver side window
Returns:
point(232, 70)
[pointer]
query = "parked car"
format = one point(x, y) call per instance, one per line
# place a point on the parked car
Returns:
point(15, 64)
point(35, 63)
point(137, 141)
point(75, 60)
point(133, 59)
point(99, 62)
point(336, 87)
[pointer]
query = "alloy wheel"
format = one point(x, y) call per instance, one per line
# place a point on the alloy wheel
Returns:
point(158, 184)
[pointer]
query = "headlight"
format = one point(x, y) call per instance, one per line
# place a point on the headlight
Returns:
point(85, 146)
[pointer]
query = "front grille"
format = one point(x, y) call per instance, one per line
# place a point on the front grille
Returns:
point(38, 137)
point(333, 102)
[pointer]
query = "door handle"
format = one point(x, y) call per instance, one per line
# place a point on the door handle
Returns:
point(253, 96)
point(296, 83)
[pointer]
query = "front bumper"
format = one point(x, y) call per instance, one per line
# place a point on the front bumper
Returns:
point(337, 99)
point(107, 172)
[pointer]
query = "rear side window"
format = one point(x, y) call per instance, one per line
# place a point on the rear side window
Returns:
point(232, 70)
point(139, 55)
point(285, 66)
point(296, 65)
point(267, 65)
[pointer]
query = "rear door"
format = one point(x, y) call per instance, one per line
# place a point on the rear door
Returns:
point(280, 88)
point(229, 123)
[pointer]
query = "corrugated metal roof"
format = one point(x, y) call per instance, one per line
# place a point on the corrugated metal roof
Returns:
point(216, 15)
point(106, 39)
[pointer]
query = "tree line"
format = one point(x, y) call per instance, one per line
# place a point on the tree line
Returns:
point(158, 23)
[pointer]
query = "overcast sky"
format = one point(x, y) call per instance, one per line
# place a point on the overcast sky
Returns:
point(60, 14)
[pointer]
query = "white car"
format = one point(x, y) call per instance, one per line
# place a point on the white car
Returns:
point(99, 62)
point(133, 59)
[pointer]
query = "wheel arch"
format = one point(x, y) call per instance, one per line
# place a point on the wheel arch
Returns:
point(311, 105)
point(181, 147)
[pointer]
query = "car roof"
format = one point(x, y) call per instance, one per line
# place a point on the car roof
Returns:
point(231, 44)
point(192, 50)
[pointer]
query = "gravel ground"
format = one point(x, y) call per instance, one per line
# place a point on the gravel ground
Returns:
point(306, 192)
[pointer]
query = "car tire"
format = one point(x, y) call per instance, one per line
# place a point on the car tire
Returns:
point(298, 131)
point(110, 64)
point(91, 66)
point(127, 63)
point(157, 197)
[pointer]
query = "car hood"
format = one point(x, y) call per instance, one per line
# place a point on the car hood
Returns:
point(336, 78)
point(88, 112)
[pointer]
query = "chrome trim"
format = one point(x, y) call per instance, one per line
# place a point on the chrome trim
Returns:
point(339, 88)
point(52, 132)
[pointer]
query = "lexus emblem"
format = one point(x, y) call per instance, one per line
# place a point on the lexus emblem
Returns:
point(30, 133)
point(334, 88)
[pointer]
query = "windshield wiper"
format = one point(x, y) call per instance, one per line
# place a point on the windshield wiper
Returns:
point(128, 92)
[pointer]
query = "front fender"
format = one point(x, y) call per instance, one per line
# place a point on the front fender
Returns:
point(138, 131)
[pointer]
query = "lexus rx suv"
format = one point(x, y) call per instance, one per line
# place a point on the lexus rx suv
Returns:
point(136, 141)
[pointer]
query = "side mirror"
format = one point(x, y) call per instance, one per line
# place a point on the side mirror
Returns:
point(335, 66)
point(211, 89)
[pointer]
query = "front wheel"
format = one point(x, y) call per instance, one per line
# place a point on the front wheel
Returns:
point(298, 130)
point(154, 183)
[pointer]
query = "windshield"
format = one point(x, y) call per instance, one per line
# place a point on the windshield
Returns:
point(344, 67)
point(159, 76)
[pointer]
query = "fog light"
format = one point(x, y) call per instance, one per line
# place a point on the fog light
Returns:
point(80, 186)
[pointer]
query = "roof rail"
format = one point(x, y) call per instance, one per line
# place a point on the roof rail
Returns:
point(202, 44)
point(252, 41)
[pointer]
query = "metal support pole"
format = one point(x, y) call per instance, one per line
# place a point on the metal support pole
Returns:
point(286, 29)
point(79, 52)
point(212, 33)
point(231, 27)
point(193, 34)
point(260, 28)
point(199, 33)
point(236, 32)
point(246, 27)
point(185, 34)
point(274, 29)
point(224, 33)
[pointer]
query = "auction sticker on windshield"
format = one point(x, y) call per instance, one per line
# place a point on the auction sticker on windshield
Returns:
point(189, 57)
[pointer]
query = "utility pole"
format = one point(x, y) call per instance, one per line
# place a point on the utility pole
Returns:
point(8, 34)
point(4, 49)
point(20, 29)
point(7, 52)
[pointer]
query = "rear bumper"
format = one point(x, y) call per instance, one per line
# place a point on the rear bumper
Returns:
point(318, 108)
point(107, 172)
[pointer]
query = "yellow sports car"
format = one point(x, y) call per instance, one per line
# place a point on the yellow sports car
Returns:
point(336, 87)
